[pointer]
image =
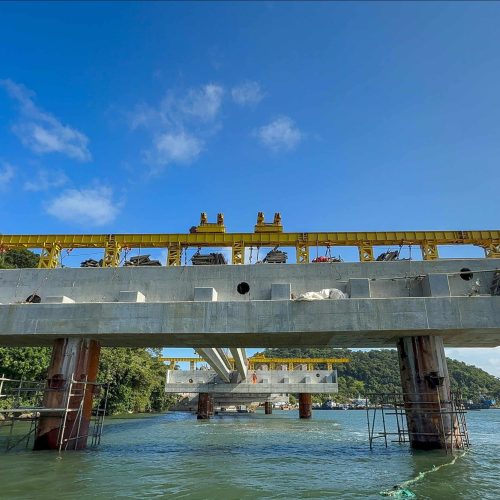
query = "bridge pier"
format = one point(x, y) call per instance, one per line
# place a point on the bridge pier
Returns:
point(426, 393)
point(77, 358)
point(205, 406)
point(305, 405)
point(268, 408)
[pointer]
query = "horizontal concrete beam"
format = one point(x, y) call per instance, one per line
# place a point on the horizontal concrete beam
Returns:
point(258, 382)
point(461, 321)
point(131, 296)
point(59, 299)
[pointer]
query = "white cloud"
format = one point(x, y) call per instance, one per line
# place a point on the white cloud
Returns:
point(247, 93)
point(486, 358)
point(199, 105)
point(87, 207)
point(280, 135)
point(203, 103)
point(179, 124)
point(42, 132)
point(46, 179)
point(7, 172)
point(177, 148)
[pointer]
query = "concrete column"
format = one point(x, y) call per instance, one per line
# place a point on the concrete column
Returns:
point(205, 406)
point(426, 392)
point(305, 405)
point(70, 357)
point(268, 408)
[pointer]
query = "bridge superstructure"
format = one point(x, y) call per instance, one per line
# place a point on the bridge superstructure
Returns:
point(264, 235)
point(418, 306)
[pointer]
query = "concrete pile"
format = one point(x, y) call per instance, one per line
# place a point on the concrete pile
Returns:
point(388, 256)
point(210, 259)
point(141, 260)
point(91, 263)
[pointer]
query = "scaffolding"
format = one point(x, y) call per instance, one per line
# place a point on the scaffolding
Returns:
point(386, 418)
point(22, 407)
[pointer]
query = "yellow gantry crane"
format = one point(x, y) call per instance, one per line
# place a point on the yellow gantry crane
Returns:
point(266, 234)
point(258, 360)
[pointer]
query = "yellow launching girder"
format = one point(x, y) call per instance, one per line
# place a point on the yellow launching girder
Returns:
point(265, 235)
point(272, 363)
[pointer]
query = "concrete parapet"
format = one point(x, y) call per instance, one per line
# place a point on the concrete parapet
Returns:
point(258, 382)
point(281, 291)
point(58, 299)
point(205, 294)
point(131, 296)
point(436, 285)
point(358, 288)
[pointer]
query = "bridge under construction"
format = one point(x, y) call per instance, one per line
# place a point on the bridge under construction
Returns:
point(417, 306)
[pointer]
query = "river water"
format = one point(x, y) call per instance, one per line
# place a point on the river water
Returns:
point(253, 456)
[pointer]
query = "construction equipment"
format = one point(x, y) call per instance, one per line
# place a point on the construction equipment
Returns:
point(323, 258)
point(275, 256)
point(388, 256)
point(141, 260)
point(211, 259)
point(268, 227)
point(265, 235)
point(209, 227)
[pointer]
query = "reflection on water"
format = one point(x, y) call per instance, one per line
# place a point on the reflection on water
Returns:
point(251, 456)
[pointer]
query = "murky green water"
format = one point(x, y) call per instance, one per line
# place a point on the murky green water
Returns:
point(252, 456)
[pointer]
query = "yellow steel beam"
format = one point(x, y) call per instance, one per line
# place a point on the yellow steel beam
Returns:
point(261, 360)
point(428, 241)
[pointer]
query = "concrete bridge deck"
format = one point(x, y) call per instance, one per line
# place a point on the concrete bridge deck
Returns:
point(201, 306)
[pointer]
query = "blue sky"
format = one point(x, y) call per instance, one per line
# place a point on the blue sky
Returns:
point(135, 117)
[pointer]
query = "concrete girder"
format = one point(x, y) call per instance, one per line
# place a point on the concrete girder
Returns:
point(240, 361)
point(217, 359)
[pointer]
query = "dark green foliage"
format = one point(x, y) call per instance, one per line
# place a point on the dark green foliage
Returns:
point(27, 363)
point(137, 380)
point(18, 258)
point(136, 377)
point(378, 371)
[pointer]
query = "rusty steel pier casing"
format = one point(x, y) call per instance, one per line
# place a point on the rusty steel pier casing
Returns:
point(77, 358)
point(268, 408)
point(205, 406)
point(305, 405)
point(432, 424)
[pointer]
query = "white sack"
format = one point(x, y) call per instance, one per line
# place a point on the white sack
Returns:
point(326, 293)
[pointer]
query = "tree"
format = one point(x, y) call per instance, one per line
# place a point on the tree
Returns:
point(377, 371)
point(18, 258)
point(136, 376)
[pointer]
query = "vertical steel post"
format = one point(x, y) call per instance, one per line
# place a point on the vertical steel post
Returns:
point(305, 405)
point(80, 358)
point(205, 406)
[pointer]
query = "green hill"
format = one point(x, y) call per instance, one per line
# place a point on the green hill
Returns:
point(378, 371)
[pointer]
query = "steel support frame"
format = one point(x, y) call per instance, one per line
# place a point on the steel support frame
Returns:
point(50, 256)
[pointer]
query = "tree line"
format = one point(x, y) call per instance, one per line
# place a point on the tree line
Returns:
point(377, 371)
point(136, 376)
